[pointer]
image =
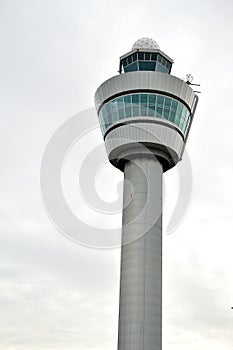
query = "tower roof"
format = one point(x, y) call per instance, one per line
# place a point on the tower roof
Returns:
point(145, 43)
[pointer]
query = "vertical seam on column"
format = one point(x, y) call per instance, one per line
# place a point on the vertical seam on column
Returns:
point(145, 247)
point(144, 299)
point(161, 278)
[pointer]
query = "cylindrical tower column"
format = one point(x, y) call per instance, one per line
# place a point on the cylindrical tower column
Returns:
point(140, 318)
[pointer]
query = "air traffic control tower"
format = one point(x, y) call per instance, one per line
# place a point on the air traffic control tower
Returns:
point(145, 116)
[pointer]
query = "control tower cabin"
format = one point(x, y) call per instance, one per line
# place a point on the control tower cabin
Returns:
point(145, 115)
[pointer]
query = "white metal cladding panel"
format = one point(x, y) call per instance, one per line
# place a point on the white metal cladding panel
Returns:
point(144, 132)
point(114, 82)
point(155, 81)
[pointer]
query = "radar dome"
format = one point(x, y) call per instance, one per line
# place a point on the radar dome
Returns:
point(145, 43)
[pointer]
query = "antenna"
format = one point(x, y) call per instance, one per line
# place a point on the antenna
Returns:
point(189, 81)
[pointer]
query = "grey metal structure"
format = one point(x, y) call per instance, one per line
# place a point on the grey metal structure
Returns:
point(145, 116)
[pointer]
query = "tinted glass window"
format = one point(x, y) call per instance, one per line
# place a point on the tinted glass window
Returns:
point(120, 104)
point(154, 57)
point(152, 99)
point(146, 62)
point(143, 98)
point(124, 62)
point(161, 68)
point(159, 58)
point(151, 111)
point(143, 110)
point(115, 115)
point(128, 113)
point(177, 119)
point(143, 65)
point(172, 116)
point(135, 111)
point(129, 59)
point(166, 113)
point(121, 114)
point(108, 108)
point(174, 105)
point(147, 65)
point(179, 108)
point(144, 105)
point(131, 68)
point(164, 62)
point(135, 99)
point(160, 100)
point(168, 102)
point(127, 98)
point(141, 55)
point(159, 111)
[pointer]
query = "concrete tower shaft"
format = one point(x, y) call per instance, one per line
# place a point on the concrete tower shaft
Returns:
point(140, 316)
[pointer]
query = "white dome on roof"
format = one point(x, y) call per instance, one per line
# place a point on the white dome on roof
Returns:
point(145, 43)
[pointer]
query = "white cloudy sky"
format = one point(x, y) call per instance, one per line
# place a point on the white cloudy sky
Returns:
point(55, 294)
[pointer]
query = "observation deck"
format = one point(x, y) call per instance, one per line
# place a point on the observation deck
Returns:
point(145, 104)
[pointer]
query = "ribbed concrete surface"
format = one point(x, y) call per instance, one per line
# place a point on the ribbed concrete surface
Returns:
point(140, 319)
